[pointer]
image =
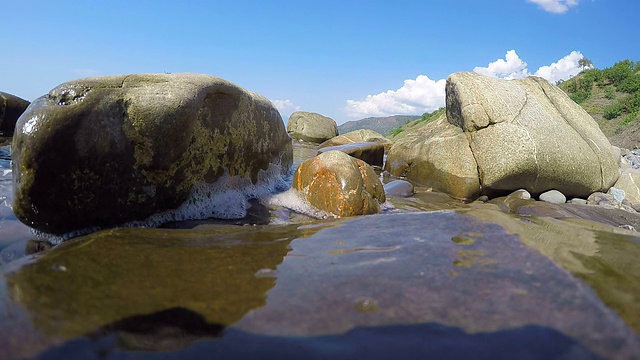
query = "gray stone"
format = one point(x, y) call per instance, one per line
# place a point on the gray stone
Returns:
point(521, 194)
point(577, 201)
point(618, 195)
point(311, 127)
point(553, 196)
point(507, 135)
point(401, 188)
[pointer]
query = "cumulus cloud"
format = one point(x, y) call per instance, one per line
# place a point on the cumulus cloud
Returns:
point(563, 69)
point(285, 107)
point(555, 6)
point(511, 67)
point(426, 95)
point(414, 97)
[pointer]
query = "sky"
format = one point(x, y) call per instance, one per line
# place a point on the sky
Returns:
point(344, 59)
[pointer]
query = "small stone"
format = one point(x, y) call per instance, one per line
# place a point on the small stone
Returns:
point(598, 198)
point(401, 188)
point(553, 196)
point(521, 194)
point(618, 195)
point(578, 201)
point(483, 198)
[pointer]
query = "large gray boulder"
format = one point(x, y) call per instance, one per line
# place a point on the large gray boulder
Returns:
point(508, 135)
point(11, 107)
point(101, 151)
point(311, 127)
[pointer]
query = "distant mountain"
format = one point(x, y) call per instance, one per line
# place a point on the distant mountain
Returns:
point(379, 124)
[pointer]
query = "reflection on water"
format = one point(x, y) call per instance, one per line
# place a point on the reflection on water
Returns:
point(420, 341)
point(115, 274)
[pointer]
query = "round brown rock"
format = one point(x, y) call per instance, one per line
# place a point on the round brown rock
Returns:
point(339, 184)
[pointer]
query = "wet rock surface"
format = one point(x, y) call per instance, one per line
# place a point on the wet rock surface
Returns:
point(121, 148)
point(339, 184)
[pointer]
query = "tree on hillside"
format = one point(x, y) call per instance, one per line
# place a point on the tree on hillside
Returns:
point(585, 63)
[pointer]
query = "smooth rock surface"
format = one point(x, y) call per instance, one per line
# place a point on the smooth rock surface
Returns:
point(400, 188)
point(370, 152)
point(311, 127)
point(553, 196)
point(102, 151)
point(339, 184)
point(513, 134)
point(437, 156)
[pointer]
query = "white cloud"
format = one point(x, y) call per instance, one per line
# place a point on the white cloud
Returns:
point(414, 97)
point(285, 107)
point(555, 6)
point(563, 69)
point(511, 68)
point(425, 95)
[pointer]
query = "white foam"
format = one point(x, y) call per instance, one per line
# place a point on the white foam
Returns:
point(227, 198)
point(293, 200)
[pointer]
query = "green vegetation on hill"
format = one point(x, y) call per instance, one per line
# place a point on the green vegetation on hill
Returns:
point(423, 120)
point(381, 125)
point(612, 97)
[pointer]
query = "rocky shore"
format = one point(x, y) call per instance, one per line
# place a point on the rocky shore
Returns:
point(506, 228)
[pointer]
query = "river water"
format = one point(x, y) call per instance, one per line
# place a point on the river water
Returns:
point(429, 277)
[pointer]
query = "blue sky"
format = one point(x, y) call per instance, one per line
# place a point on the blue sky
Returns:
point(343, 59)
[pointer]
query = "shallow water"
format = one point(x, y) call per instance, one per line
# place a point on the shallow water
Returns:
point(429, 277)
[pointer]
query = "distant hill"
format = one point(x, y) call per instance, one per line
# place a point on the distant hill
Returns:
point(612, 97)
point(379, 124)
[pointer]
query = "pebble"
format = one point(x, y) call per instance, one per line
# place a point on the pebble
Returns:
point(553, 196)
point(401, 188)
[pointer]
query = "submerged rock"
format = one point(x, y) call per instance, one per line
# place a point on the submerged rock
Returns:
point(339, 184)
point(311, 127)
point(504, 135)
point(102, 151)
point(11, 107)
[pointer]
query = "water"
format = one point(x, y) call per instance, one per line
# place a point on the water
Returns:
point(429, 277)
